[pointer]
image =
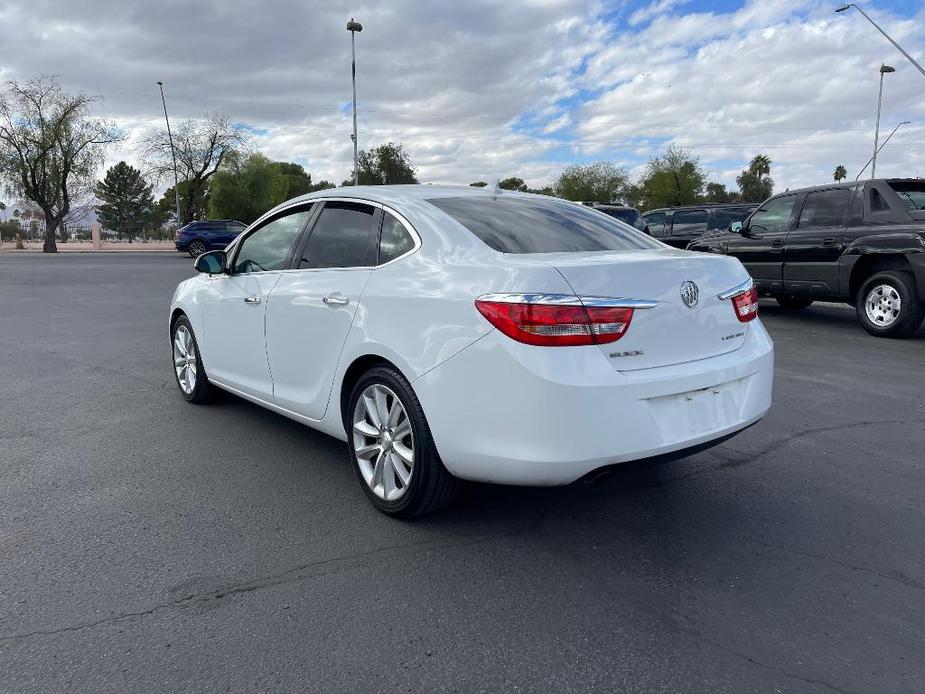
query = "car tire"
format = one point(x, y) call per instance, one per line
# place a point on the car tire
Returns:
point(190, 375)
point(888, 305)
point(793, 303)
point(383, 438)
point(196, 248)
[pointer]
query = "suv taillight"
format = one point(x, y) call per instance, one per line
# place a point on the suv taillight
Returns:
point(745, 305)
point(554, 320)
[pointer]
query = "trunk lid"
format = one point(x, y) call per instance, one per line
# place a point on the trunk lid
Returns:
point(670, 333)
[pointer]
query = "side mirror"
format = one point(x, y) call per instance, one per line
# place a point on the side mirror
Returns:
point(212, 262)
point(735, 227)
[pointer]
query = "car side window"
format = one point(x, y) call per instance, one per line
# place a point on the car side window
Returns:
point(723, 218)
point(268, 247)
point(689, 222)
point(394, 239)
point(343, 236)
point(877, 203)
point(656, 223)
point(824, 209)
point(774, 215)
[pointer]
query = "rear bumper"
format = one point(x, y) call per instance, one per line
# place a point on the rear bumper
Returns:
point(509, 413)
point(182, 246)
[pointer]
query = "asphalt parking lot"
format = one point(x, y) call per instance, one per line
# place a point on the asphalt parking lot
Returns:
point(150, 545)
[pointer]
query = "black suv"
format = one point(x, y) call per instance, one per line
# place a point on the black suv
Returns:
point(862, 243)
point(678, 226)
point(208, 235)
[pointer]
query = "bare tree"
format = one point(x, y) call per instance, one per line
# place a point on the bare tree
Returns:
point(49, 145)
point(201, 148)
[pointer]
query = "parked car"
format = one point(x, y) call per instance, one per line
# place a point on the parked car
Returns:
point(527, 339)
point(198, 237)
point(678, 226)
point(862, 243)
point(629, 215)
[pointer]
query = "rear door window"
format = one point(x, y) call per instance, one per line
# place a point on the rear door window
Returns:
point(524, 225)
point(824, 209)
point(343, 236)
point(688, 222)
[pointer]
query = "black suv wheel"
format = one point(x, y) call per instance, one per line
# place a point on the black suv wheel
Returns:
point(888, 305)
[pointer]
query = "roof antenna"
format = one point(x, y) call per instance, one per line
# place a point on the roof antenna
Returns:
point(496, 188)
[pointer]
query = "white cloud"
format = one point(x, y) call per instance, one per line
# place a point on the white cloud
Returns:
point(654, 9)
point(457, 83)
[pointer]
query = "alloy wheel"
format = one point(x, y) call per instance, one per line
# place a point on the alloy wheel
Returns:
point(197, 248)
point(184, 359)
point(383, 442)
point(883, 305)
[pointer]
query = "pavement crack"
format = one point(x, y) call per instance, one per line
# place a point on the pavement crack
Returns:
point(780, 443)
point(897, 576)
point(766, 666)
point(292, 575)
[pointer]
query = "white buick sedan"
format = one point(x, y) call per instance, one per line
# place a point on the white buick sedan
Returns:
point(452, 333)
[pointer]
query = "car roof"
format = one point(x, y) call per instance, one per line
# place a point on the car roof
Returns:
point(704, 206)
point(413, 192)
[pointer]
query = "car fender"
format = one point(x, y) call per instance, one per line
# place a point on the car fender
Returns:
point(907, 242)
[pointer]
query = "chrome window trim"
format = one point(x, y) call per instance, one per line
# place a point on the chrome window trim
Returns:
point(545, 299)
point(740, 288)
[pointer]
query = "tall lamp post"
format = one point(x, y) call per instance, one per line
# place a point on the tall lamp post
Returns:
point(884, 69)
point(888, 38)
point(173, 153)
point(353, 27)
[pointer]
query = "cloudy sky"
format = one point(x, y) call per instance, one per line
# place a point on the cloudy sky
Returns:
point(483, 89)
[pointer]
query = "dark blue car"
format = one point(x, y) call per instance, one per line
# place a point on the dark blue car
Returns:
point(198, 237)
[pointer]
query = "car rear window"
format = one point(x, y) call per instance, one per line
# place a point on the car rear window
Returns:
point(910, 192)
point(526, 225)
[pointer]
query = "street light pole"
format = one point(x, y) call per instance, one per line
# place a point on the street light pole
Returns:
point(877, 26)
point(883, 70)
point(176, 178)
point(353, 27)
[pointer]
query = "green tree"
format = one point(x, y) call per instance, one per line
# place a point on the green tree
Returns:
point(248, 187)
point(197, 206)
point(201, 147)
point(674, 178)
point(755, 183)
point(125, 199)
point(386, 164)
point(478, 184)
point(841, 173)
point(513, 183)
point(48, 145)
point(545, 190)
point(717, 193)
point(601, 181)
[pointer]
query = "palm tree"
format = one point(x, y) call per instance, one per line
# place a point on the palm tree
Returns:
point(841, 173)
point(760, 165)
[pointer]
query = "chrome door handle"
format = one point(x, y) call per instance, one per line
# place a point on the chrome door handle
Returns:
point(335, 300)
point(251, 299)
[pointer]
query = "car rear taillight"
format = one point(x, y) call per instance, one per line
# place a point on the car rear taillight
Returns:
point(745, 305)
point(554, 320)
